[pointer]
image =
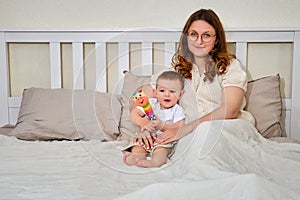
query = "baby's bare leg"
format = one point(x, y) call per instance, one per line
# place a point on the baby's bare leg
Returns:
point(159, 157)
point(137, 153)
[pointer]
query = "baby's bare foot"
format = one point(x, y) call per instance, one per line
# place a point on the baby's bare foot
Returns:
point(125, 155)
point(130, 159)
point(145, 163)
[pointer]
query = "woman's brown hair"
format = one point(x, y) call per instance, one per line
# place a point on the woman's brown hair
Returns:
point(218, 58)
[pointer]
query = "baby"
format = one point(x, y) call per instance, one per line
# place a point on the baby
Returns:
point(168, 114)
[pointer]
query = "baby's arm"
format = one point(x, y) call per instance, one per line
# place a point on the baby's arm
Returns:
point(139, 118)
point(146, 135)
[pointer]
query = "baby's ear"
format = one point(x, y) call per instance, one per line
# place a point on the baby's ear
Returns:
point(154, 92)
point(182, 93)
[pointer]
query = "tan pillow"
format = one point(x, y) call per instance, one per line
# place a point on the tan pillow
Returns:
point(47, 114)
point(264, 102)
point(131, 84)
point(284, 140)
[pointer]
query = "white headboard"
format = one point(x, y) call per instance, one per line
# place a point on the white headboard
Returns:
point(9, 106)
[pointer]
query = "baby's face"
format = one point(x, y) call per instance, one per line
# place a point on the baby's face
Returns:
point(168, 92)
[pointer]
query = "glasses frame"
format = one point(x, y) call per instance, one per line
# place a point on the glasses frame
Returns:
point(196, 37)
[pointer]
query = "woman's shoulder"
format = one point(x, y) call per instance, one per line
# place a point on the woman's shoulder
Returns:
point(235, 75)
point(235, 63)
point(235, 66)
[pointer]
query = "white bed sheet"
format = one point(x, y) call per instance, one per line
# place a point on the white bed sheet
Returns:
point(236, 164)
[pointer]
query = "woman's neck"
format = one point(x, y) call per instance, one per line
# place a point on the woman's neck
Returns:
point(200, 63)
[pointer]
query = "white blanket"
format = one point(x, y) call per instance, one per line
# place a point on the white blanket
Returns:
point(219, 160)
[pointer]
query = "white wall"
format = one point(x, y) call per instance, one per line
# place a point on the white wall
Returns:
point(144, 13)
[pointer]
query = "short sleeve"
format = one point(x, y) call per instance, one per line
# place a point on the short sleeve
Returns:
point(235, 76)
point(179, 114)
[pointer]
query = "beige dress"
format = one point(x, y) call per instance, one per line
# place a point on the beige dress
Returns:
point(209, 94)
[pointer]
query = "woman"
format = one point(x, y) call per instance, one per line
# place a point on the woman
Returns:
point(215, 75)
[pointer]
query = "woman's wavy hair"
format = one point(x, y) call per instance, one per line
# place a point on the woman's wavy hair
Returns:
point(218, 59)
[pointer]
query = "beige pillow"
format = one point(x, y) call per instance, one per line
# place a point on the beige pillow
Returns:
point(264, 102)
point(131, 84)
point(47, 114)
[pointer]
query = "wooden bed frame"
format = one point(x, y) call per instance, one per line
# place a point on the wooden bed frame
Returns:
point(9, 106)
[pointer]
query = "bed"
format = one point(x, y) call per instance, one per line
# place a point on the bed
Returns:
point(65, 143)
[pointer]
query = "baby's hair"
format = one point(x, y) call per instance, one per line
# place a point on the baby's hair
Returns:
point(171, 75)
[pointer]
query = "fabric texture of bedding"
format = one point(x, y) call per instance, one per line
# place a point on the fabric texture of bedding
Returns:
point(47, 114)
point(219, 160)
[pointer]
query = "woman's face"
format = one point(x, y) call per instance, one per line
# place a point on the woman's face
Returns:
point(201, 38)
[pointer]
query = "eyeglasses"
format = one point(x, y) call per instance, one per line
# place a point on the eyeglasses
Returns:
point(205, 37)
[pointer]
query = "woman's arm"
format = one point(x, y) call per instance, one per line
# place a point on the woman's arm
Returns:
point(231, 104)
point(160, 125)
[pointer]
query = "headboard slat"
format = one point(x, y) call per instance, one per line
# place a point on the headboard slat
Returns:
point(170, 48)
point(4, 92)
point(123, 61)
point(295, 114)
point(241, 53)
point(147, 58)
point(55, 65)
point(101, 69)
point(78, 81)
point(14, 103)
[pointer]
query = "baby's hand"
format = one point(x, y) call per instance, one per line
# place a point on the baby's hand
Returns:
point(158, 124)
point(146, 125)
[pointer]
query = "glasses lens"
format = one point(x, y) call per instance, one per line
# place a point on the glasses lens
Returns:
point(206, 37)
point(193, 35)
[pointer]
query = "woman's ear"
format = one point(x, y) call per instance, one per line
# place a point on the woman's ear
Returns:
point(216, 42)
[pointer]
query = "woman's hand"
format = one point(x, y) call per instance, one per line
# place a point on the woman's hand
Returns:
point(168, 136)
point(146, 139)
point(177, 132)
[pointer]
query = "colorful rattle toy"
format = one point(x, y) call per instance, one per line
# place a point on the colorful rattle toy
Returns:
point(142, 100)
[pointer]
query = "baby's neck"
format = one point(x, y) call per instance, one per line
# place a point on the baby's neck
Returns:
point(164, 108)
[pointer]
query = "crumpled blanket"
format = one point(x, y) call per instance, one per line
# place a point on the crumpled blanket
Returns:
point(225, 159)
